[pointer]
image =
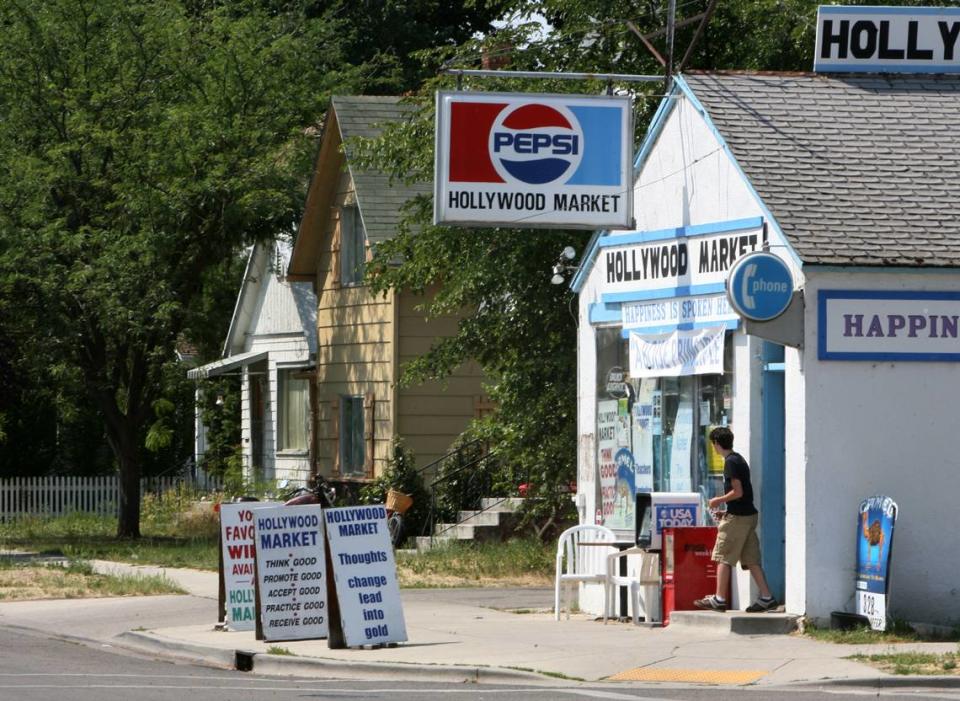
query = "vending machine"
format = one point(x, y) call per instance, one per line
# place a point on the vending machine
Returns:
point(688, 570)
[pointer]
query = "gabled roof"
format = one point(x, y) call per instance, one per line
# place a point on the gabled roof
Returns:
point(857, 169)
point(379, 200)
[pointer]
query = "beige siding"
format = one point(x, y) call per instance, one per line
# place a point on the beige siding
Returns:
point(355, 348)
point(431, 416)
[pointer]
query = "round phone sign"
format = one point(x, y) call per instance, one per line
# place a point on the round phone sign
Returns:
point(760, 286)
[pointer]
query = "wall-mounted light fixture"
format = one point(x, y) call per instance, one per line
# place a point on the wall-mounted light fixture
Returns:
point(561, 267)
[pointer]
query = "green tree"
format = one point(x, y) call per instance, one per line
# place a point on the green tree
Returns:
point(140, 144)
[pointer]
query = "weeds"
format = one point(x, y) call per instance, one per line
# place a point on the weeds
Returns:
point(522, 561)
point(899, 631)
point(903, 663)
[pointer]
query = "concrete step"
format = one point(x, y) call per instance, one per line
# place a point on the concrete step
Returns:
point(480, 518)
point(425, 542)
point(457, 531)
point(740, 622)
point(509, 504)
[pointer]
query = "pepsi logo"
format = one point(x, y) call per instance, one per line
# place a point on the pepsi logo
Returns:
point(535, 144)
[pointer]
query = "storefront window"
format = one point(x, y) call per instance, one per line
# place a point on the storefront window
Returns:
point(652, 433)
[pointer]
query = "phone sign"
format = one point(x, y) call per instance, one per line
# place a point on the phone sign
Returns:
point(760, 286)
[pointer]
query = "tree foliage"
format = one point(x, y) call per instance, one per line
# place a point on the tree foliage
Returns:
point(139, 146)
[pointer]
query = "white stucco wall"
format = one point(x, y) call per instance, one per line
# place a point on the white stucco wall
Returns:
point(687, 179)
point(881, 428)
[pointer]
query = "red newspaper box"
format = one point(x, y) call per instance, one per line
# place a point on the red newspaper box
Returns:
point(688, 571)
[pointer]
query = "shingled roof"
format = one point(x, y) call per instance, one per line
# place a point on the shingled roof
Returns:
point(857, 169)
point(379, 200)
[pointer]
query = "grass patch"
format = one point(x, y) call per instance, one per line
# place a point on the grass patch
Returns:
point(898, 632)
point(24, 581)
point(913, 662)
point(188, 542)
point(518, 562)
point(277, 650)
point(188, 538)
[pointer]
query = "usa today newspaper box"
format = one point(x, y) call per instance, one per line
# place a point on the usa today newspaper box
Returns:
point(674, 510)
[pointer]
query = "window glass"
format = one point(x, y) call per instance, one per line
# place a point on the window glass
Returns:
point(661, 422)
point(353, 253)
point(294, 418)
point(351, 436)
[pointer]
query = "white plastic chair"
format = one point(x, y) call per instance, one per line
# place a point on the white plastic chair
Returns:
point(577, 562)
point(645, 576)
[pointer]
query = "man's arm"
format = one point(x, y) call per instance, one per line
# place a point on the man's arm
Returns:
point(736, 491)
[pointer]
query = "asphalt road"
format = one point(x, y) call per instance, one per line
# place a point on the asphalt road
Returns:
point(37, 666)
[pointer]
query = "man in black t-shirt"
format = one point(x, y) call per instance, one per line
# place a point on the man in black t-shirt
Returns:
point(737, 534)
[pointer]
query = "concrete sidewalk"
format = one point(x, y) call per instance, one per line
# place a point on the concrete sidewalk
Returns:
point(472, 635)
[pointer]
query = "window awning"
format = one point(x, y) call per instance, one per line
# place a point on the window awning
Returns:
point(218, 367)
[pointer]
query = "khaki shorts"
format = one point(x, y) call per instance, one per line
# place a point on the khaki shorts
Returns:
point(737, 541)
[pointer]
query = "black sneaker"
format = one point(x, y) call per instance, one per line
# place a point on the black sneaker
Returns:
point(711, 603)
point(762, 605)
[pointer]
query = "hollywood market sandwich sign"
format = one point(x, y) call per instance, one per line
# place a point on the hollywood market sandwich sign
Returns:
point(521, 160)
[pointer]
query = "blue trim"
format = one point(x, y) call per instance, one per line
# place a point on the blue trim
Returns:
point(656, 124)
point(605, 314)
point(586, 262)
point(773, 468)
point(889, 294)
point(898, 269)
point(873, 10)
point(768, 215)
point(618, 239)
point(664, 293)
point(853, 67)
point(730, 325)
point(824, 295)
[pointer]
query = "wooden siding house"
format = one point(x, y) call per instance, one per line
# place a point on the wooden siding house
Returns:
point(272, 346)
point(363, 339)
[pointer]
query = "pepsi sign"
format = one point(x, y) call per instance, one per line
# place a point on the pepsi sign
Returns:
point(533, 161)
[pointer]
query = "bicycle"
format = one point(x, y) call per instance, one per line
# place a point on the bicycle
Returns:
point(397, 504)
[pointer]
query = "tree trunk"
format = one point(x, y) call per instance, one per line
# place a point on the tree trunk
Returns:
point(123, 437)
point(128, 523)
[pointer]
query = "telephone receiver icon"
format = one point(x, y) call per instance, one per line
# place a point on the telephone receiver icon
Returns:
point(749, 272)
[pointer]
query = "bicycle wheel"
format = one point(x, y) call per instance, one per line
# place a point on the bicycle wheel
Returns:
point(395, 527)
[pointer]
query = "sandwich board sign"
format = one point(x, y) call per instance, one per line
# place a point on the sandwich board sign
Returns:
point(237, 564)
point(291, 573)
point(875, 521)
point(365, 574)
point(528, 160)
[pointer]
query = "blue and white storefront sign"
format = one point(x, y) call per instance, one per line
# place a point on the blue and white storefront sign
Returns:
point(654, 315)
point(760, 286)
point(888, 325)
point(887, 39)
point(660, 260)
point(683, 352)
point(875, 521)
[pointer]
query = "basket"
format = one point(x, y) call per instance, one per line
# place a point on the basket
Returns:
point(398, 501)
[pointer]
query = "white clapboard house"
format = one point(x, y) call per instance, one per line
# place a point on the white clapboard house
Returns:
point(271, 344)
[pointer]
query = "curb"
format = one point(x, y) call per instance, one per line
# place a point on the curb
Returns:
point(898, 681)
point(147, 642)
point(326, 668)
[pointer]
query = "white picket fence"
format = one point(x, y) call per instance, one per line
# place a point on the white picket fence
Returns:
point(58, 496)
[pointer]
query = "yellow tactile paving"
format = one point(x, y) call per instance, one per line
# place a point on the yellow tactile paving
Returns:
point(694, 676)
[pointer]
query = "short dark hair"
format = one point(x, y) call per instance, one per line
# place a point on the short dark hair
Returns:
point(723, 437)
